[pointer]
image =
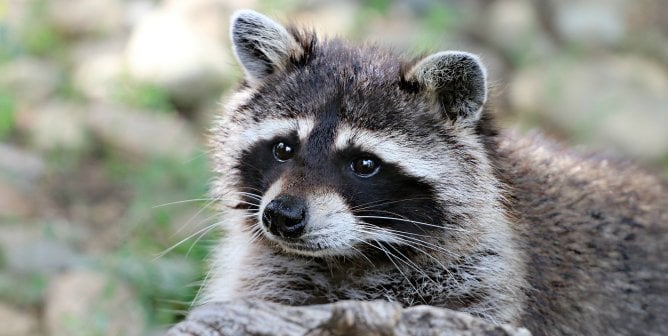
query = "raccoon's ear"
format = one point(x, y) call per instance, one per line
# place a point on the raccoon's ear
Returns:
point(261, 45)
point(458, 79)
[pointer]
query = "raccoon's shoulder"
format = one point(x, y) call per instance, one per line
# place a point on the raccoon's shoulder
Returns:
point(583, 193)
point(537, 164)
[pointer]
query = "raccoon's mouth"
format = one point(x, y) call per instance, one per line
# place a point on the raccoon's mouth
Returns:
point(310, 248)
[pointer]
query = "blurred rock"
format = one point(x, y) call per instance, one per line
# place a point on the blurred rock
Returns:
point(400, 33)
point(331, 18)
point(20, 164)
point(98, 69)
point(57, 125)
point(27, 250)
point(17, 323)
point(143, 133)
point(86, 17)
point(30, 80)
point(648, 29)
point(14, 201)
point(617, 102)
point(648, 15)
point(514, 27)
point(135, 10)
point(93, 302)
point(15, 13)
point(20, 172)
point(511, 20)
point(93, 204)
point(180, 47)
point(591, 22)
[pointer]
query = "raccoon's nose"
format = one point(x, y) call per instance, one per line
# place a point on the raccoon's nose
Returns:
point(285, 216)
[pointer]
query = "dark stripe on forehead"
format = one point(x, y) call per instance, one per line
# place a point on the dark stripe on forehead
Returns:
point(320, 141)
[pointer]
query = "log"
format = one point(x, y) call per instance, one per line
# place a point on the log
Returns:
point(335, 319)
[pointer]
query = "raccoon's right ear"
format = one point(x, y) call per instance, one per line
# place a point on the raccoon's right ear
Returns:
point(261, 45)
point(457, 79)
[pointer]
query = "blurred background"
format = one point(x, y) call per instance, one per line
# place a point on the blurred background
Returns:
point(104, 106)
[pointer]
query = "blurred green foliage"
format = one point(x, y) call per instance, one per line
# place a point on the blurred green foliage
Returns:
point(22, 289)
point(38, 36)
point(165, 284)
point(7, 114)
point(142, 95)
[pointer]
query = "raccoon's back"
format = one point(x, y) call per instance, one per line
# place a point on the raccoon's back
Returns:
point(595, 236)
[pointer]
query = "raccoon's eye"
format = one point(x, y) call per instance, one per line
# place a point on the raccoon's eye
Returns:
point(283, 152)
point(365, 166)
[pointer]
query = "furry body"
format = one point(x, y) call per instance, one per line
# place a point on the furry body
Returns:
point(507, 228)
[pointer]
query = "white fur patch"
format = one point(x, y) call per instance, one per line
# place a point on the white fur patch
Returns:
point(271, 128)
point(330, 226)
point(229, 259)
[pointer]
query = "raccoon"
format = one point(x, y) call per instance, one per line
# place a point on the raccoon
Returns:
point(347, 172)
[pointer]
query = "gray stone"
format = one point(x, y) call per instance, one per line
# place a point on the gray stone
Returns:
point(20, 174)
point(609, 101)
point(591, 22)
point(98, 72)
point(93, 302)
point(17, 323)
point(22, 165)
point(143, 134)
point(58, 125)
point(26, 249)
point(15, 201)
point(180, 47)
point(86, 17)
point(333, 18)
point(514, 27)
point(30, 80)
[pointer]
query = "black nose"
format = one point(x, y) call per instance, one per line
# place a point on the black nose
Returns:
point(285, 216)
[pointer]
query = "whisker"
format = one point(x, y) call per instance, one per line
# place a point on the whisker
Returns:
point(251, 195)
point(360, 252)
point(401, 237)
point(199, 237)
point(207, 205)
point(171, 248)
point(417, 223)
point(389, 257)
point(365, 225)
point(181, 202)
point(410, 263)
point(201, 287)
point(370, 205)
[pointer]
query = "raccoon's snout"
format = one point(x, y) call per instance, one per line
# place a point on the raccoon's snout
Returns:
point(285, 216)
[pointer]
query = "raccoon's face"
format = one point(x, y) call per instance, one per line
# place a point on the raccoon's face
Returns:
point(334, 150)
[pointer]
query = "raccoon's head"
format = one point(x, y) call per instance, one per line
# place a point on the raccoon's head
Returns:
point(333, 150)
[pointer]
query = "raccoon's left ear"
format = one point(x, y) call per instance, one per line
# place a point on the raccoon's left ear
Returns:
point(262, 45)
point(458, 79)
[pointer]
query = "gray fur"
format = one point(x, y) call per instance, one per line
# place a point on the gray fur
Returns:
point(261, 45)
point(458, 79)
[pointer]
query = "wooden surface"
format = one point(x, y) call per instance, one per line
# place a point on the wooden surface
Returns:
point(341, 318)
